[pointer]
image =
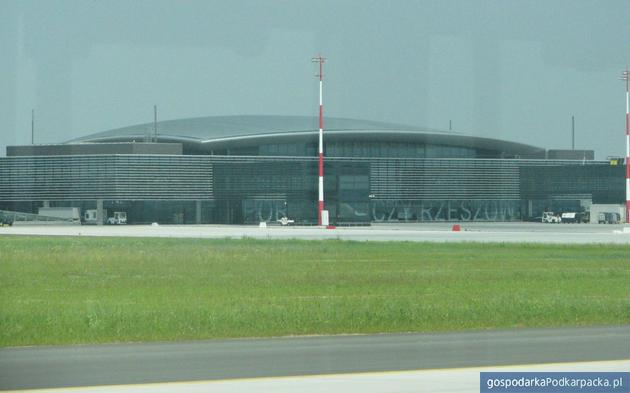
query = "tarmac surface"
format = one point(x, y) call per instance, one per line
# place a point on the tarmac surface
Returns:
point(131, 364)
point(460, 380)
point(521, 232)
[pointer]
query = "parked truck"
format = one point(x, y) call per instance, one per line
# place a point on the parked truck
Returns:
point(90, 217)
point(71, 214)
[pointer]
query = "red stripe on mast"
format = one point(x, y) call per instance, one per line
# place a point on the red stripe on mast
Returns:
point(321, 117)
point(626, 78)
point(320, 200)
point(321, 165)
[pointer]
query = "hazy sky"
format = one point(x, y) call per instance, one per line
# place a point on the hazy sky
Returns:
point(503, 69)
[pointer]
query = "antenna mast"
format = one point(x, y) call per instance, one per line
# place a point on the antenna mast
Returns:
point(155, 122)
point(320, 204)
point(625, 76)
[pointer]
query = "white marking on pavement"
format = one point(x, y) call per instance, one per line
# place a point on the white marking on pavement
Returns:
point(449, 380)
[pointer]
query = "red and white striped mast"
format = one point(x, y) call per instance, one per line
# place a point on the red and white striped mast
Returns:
point(625, 76)
point(320, 204)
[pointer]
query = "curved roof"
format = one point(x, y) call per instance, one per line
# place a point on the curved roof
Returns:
point(207, 133)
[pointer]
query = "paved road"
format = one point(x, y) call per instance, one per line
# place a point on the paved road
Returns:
point(46, 367)
point(472, 232)
point(452, 380)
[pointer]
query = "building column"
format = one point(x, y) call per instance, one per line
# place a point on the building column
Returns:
point(46, 204)
point(99, 212)
point(198, 212)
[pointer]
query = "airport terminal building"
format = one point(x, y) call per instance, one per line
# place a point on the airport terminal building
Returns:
point(248, 169)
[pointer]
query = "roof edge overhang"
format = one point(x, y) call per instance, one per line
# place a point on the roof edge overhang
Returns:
point(376, 136)
point(457, 140)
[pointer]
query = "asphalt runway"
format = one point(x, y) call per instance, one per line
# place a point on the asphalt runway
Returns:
point(460, 380)
point(434, 232)
point(125, 364)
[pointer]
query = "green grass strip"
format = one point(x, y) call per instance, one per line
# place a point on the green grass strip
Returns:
point(56, 290)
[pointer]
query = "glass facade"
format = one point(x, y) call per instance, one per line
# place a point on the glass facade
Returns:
point(254, 188)
point(364, 149)
point(445, 210)
point(249, 189)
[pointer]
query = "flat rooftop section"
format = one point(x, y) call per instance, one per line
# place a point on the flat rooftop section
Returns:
point(95, 149)
point(558, 154)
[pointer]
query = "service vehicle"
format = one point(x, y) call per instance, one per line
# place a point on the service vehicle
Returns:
point(119, 218)
point(284, 221)
point(6, 219)
point(551, 218)
point(90, 217)
point(609, 218)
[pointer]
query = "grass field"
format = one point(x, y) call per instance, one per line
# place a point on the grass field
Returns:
point(89, 290)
